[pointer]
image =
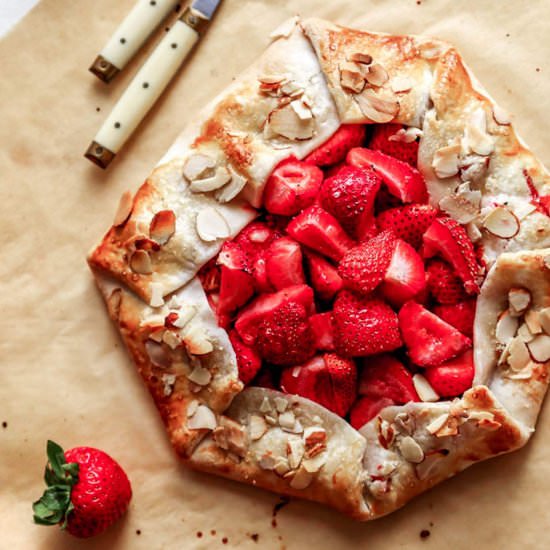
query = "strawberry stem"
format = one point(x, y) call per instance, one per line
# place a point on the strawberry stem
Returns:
point(55, 505)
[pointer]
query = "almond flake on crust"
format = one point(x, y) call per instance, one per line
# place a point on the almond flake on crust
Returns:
point(359, 57)
point(285, 122)
point(230, 436)
point(185, 314)
point(281, 404)
point(256, 427)
point(544, 319)
point(376, 108)
point(400, 84)
point(476, 139)
point(233, 188)
point(351, 78)
point(463, 205)
point(200, 376)
point(314, 464)
point(518, 355)
point(315, 440)
point(519, 300)
point(406, 135)
point(168, 381)
point(157, 299)
point(532, 320)
point(424, 389)
point(157, 354)
point(437, 424)
point(301, 479)
point(267, 461)
point(196, 341)
point(301, 109)
point(202, 419)
point(211, 225)
point(539, 348)
point(265, 406)
point(376, 75)
point(220, 177)
point(124, 209)
point(506, 327)
point(411, 450)
point(445, 161)
point(198, 166)
point(287, 420)
point(163, 226)
point(501, 116)
point(171, 339)
point(140, 262)
point(502, 222)
point(295, 451)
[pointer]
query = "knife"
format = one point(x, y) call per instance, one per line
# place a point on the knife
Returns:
point(150, 81)
point(145, 17)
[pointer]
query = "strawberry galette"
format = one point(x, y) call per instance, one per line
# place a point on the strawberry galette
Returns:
point(336, 283)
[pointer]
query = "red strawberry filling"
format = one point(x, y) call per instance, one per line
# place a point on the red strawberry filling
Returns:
point(350, 283)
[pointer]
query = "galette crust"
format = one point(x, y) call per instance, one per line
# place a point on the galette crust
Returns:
point(146, 264)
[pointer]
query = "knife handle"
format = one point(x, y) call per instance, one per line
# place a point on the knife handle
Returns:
point(143, 19)
point(143, 91)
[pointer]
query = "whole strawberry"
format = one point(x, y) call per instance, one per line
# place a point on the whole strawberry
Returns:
point(87, 491)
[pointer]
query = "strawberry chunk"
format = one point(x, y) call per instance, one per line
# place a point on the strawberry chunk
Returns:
point(401, 179)
point(366, 408)
point(316, 228)
point(284, 263)
point(443, 284)
point(248, 361)
point(291, 187)
point(349, 196)
point(448, 238)
point(236, 282)
point(364, 267)
point(408, 222)
point(209, 276)
point(383, 140)
point(385, 376)
point(321, 327)
point(329, 380)
point(284, 336)
point(405, 277)
point(264, 305)
point(335, 148)
point(453, 378)
point(460, 315)
point(430, 341)
point(323, 276)
point(364, 326)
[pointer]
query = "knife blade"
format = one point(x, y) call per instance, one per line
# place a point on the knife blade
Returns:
point(137, 26)
point(150, 81)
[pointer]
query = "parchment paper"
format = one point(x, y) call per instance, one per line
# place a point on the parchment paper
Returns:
point(64, 373)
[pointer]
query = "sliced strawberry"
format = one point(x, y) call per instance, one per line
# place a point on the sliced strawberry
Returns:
point(385, 376)
point(292, 186)
point(323, 276)
point(321, 326)
point(264, 305)
point(259, 273)
point(284, 336)
point(329, 380)
point(320, 231)
point(236, 282)
point(366, 408)
point(284, 263)
point(408, 222)
point(248, 361)
point(448, 238)
point(460, 315)
point(443, 284)
point(364, 267)
point(364, 326)
point(209, 276)
point(383, 140)
point(335, 148)
point(349, 196)
point(401, 179)
point(430, 341)
point(453, 378)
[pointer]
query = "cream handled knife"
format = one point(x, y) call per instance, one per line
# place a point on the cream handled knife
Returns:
point(150, 81)
point(145, 17)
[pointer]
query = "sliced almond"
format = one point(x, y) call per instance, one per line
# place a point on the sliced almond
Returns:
point(519, 300)
point(163, 226)
point(472, 167)
point(192, 407)
point(168, 381)
point(314, 464)
point(463, 206)
point(157, 299)
point(501, 116)
point(351, 78)
point(272, 78)
point(301, 479)
point(200, 376)
point(524, 334)
point(411, 450)
point(265, 406)
point(478, 141)
point(233, 188)
point(363, 58)
point(217, 180)
point(171, 339)
point(124, 209)
point(377, 75)
point(474, 234)
point(140, 262)
point(539, 348)
point(281, 404)
point(518, 355)
point(406, 135)
point(287, 420)
point(230, 436)
point(267, 461)
point(480, 415)
point(437, 424)
point(301, 109)
point(281, 467)
point(203, 419)
point(315, 440)
point(295, 451)
point(185, 314)
point(196, 341)
point(375, 108)
point(211, 225)
point(506, 327)
point(285, 122)
point(157, 334)
point(292, 89)
point(198, 166)
point(256, 427)
point(502, 223)
point(532, 320)
point(445, 161)
point(544, 319)
point(401, 84)
point(424, 389)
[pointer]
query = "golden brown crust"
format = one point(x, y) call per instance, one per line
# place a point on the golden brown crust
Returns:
point(146, 266)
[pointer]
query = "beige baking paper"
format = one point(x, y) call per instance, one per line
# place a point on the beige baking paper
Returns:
point(63, 371)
